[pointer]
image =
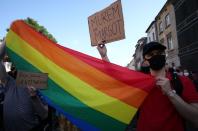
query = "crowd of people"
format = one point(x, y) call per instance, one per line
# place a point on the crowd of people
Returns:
point(190, 74)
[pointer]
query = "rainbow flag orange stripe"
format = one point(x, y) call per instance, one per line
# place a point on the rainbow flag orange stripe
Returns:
point(93, 94)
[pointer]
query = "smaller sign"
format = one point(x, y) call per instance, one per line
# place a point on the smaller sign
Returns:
point(37, 80)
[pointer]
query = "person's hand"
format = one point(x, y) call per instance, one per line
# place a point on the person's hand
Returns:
point(32, 90)
point(103, 51)
point(164, 84)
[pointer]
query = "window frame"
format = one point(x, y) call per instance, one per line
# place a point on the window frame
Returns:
point(160, 27)
point(167, 20)
point(169, 39)
point(153, 35)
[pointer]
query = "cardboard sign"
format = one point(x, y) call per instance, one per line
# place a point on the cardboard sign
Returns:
point(37, 80)
point(107, 25)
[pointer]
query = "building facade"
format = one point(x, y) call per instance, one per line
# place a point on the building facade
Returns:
point(167, 34)
point(138, 59)
point(186, 12)
point(152, 34)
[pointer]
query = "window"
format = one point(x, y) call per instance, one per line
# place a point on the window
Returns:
point(169, 41)
point(153, 34)
point(167, 20)
point(160, 27)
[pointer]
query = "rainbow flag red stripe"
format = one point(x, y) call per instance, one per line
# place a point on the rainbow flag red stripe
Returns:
point(93, 94)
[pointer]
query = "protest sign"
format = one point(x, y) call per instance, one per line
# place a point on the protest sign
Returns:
point(107, 25)
point(37, 80)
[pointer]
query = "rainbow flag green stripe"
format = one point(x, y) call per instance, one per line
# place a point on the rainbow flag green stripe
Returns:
point(66, 101)
point(77, 88)
point(85, 90)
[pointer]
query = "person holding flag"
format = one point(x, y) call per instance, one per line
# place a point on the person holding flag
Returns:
point(22, 108)
point(171, 102)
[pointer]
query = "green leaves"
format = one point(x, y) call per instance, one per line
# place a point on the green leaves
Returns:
point(41, 29)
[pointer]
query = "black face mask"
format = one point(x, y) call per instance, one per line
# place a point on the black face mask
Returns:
point(157, 62)
point(145, 69)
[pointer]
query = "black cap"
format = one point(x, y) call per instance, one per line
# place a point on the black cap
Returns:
point(152, 46)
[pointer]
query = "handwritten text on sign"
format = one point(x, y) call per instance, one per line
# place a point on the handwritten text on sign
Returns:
point(37, 80)
point(107, 25)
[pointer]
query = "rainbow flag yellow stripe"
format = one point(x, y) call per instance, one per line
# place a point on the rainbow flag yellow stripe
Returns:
point(96, 86)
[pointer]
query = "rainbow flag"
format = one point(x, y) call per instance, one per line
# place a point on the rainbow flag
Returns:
point(91, 93)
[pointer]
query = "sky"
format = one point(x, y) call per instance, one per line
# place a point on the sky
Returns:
point(67, 21)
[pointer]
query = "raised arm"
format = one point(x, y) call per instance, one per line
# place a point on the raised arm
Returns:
point(103, 52)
